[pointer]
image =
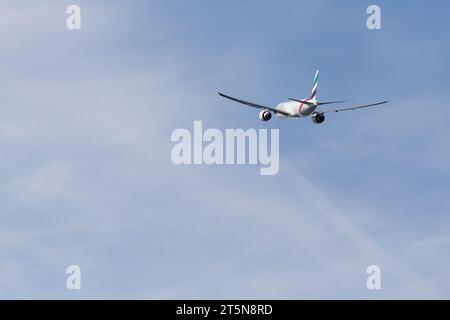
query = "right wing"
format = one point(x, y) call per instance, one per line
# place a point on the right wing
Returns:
point(254, 105)
point(356, 107)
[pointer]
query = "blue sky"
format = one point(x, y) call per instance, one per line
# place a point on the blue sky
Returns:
point(87, 179)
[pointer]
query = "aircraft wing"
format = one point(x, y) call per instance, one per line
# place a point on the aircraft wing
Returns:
point(356, 107)
point(254, 105)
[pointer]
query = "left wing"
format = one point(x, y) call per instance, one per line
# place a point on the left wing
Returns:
point(254, 105)
point(356, 107)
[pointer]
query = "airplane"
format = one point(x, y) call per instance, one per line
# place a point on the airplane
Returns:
point(300, 108)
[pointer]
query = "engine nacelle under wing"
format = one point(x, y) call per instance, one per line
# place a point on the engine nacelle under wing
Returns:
point(318, 117)
point(265, 115)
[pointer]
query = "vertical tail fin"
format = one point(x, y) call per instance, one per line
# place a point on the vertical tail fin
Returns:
point(314, 89)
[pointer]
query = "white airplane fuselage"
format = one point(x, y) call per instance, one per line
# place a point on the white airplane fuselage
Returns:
point(296, 109)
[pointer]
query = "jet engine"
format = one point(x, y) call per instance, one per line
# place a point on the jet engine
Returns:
point(318, 117)
point(265, 115)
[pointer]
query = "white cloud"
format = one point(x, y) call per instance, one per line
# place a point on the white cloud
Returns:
point(51, 181)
